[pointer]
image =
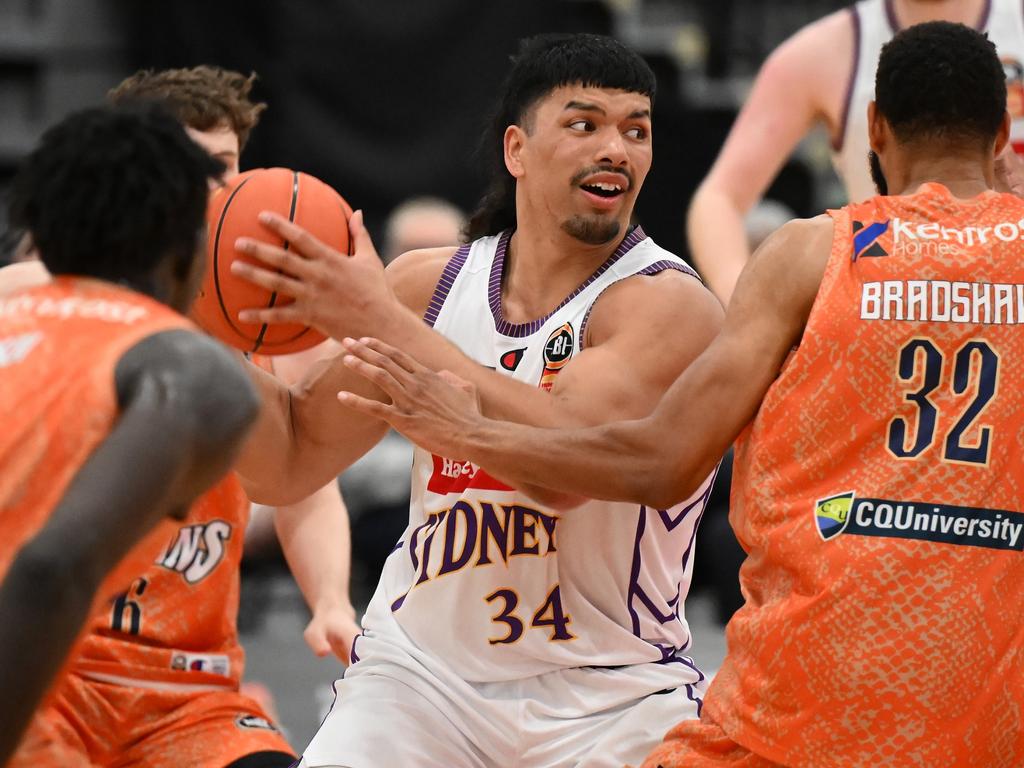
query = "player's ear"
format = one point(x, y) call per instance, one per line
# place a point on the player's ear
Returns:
point(1003, 136)
point(876, 128)
point(515, 140)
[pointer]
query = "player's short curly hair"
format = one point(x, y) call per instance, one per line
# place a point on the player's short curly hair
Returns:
point(202, 97)
point(940, 80)
point(112, 192)
point(544, 63)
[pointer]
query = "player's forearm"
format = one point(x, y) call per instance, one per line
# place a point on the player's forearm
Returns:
point(619, 461)
point(304, 438)
point(718, 240)
point(316, 541)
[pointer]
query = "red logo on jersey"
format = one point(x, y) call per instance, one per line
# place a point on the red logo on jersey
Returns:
point(452, 476)
point(510, 360)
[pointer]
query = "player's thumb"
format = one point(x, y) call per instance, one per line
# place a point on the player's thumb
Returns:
point(361, 236)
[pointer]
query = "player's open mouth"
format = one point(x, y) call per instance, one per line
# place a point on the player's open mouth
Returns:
point(603, 189)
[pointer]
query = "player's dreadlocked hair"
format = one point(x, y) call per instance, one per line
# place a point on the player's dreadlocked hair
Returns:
point(112, 192)
point(941, 81)
point(544, 63)
point(202, 97)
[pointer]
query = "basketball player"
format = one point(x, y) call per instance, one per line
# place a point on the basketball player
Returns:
point(116, 413)
point(164, 658)
point(877, 479)
point(825, 73)
point(514, 626)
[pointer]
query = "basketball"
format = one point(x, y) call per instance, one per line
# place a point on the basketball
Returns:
point(232, 213)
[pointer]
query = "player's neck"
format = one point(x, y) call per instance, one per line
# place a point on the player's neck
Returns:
point(910, 12)
point(964, 174)
point(543, 265)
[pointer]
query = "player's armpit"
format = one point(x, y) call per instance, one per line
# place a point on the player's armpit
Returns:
point(659, 460)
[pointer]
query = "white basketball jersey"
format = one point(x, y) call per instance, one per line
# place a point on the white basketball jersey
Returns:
point(498, 586)
point(874, 25)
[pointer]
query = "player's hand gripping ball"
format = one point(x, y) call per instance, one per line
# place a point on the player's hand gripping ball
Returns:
point(232, 213)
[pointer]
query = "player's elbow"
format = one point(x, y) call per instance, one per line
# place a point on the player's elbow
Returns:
point(665, 480)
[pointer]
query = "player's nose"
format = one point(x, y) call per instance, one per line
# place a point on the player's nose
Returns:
point(612, 148)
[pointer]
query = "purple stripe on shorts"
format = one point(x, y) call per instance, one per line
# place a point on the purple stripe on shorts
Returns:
point(444, 284)
point(520, 330)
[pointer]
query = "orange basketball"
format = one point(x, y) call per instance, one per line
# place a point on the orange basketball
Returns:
point(231, 214)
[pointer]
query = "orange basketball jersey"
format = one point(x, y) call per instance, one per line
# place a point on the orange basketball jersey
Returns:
point(176, 623)
point(59, 346)
point(878, 493)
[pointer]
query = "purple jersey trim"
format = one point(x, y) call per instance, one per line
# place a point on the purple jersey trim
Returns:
point(520, 330)
point(653, 269)
point(444, 284)
point(837, 143)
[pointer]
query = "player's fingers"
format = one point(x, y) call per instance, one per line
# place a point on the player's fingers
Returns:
point(373, 408)
point(266, 278)
point(403, 360)
point(300, 240)
point(378, 359)
point(273, 256)
point(289, 313)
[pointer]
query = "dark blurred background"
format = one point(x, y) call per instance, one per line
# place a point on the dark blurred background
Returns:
point(386, 100)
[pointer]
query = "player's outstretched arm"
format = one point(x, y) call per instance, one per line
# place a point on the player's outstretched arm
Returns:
point(658, 460)
point(795, 87)
point(185, 407)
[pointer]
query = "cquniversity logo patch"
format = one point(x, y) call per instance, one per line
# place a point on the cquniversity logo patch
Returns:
point(865, 239)
point(832, 514)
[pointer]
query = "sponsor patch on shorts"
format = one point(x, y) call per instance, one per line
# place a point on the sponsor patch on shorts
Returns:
point(255, 721)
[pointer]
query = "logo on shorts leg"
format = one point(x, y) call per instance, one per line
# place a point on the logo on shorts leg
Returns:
point(832, 514)
point(254, 721)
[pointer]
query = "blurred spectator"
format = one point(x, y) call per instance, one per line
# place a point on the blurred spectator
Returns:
point(421, 222)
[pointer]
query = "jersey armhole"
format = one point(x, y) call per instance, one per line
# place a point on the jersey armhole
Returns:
point(445, 283)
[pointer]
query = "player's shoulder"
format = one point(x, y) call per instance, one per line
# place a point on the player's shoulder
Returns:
point(672, 298)
point(414, 275)
point(21, 275)
point(820, 52)
point(186, 371)
point(813, 234)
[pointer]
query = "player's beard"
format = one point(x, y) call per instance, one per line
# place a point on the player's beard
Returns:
point(876, 173)
point(592, 230)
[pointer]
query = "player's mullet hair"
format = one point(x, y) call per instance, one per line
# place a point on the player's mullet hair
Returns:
point(202, 97)
point(544, 63)
point(112, 192)
point(941, 81)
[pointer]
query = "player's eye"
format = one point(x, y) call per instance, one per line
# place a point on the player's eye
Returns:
point(581, 125)
point(637, 133)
